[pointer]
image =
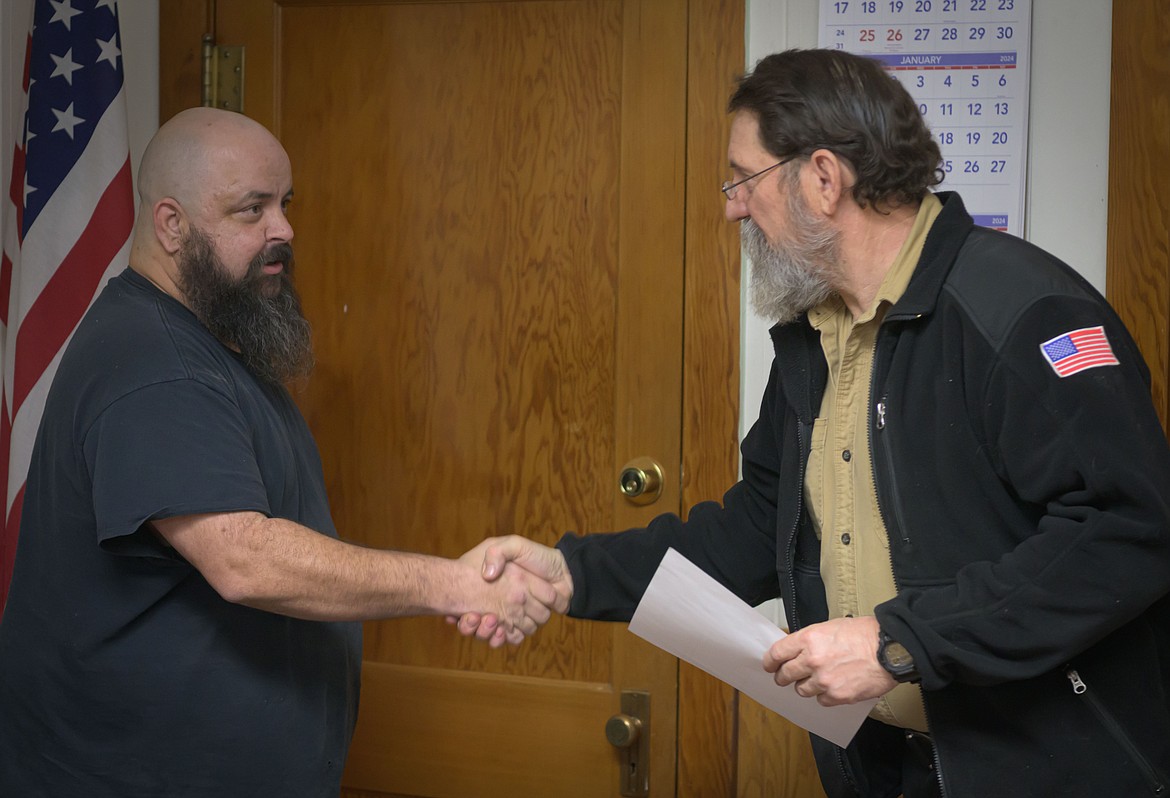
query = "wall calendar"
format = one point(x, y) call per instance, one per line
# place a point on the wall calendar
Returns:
point(966, 63)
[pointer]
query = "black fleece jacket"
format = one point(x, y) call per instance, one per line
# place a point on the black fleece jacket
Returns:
point(1028, 522)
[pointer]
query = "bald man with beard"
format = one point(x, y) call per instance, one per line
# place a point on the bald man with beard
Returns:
point(183, 618)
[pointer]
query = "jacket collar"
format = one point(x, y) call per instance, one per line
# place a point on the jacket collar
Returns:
point(802, 368)
point(943, 242)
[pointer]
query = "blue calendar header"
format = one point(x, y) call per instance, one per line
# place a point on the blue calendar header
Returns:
point(944, 60)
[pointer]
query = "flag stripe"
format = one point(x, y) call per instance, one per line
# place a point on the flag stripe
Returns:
point(8, 544)
point(1078, 350)
point(71, 196)
point(5, 287)
point(64, 299)
point(25, 423)
point(63, 109)
point(16, 188)
point(5, 447)
point(67, 212)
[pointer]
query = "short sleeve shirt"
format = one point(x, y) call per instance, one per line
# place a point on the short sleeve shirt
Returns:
point(122, 672)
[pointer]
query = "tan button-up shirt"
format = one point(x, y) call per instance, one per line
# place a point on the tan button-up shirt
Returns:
point(842, 497)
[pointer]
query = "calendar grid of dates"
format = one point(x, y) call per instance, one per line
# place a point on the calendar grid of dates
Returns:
point(965, 62)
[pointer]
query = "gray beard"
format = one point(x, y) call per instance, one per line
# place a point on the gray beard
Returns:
point(265, 325)
point(791, 278)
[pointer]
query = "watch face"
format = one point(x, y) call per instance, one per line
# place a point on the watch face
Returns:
point(897, 655)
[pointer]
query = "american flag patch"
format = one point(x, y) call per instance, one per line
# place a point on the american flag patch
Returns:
point(1078, 350)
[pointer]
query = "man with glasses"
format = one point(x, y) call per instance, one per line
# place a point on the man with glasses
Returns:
point(957, 482)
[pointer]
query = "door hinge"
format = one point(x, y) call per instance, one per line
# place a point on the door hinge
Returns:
point(223, 75)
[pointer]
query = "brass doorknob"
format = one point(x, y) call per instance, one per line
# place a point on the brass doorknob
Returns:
point(641, 480)
point(629, 732)
point(623, 731)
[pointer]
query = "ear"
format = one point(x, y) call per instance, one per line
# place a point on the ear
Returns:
point(832, 180)
point(170, 224)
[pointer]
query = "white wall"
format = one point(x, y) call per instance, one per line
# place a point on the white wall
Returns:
point(1067, 158)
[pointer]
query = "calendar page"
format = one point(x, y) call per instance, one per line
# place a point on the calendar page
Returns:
point(966, 64)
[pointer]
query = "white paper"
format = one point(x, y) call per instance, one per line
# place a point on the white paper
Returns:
point(689, 614)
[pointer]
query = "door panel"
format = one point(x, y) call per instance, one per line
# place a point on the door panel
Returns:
point(489, 212)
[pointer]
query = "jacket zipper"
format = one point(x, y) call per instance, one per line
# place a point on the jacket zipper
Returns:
point(942, 788)
point(1153, 778)
point(878, 422)
point(792, 534)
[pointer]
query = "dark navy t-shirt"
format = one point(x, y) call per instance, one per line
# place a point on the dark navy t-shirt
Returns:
point(122, 672)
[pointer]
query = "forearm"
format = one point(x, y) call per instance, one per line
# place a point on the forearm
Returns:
point(280, 566)
point(611, 571)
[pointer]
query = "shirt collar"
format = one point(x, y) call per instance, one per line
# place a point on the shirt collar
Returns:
point(897, 277)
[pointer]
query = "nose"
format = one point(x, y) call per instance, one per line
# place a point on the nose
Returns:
point(279, 228)
point(736, 209)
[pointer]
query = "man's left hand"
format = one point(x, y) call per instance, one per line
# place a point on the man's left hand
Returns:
point(835, 661)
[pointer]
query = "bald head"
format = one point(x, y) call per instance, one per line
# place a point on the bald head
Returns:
point(214, 173)
point(187, 155)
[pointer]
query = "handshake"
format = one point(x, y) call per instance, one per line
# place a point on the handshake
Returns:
point(519, 582)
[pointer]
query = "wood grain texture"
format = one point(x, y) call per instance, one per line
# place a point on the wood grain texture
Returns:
point(547, 748)
point(708, 735)
point(775, 759)
point(235, 22)
point(1138, 248)
point(490, 216)
point(182, 24)
point(707, 707)
point(465, 338)
point(648, 399)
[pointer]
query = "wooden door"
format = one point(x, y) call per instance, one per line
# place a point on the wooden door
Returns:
point(489, 213)
point(487, 216)
point(1138, 249)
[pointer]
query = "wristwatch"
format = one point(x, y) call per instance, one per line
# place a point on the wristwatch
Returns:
point(894, 657)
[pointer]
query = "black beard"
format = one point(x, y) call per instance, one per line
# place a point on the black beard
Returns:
point(259, 314)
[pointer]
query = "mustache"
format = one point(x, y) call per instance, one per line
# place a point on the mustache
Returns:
point(277, 253)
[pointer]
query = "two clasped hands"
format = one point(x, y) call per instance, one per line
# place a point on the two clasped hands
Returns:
point(834, 661)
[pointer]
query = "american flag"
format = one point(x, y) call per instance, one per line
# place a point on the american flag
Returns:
point(1078, 350)
point(67, 218)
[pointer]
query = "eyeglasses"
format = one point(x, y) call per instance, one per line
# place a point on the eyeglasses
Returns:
point(730, 189)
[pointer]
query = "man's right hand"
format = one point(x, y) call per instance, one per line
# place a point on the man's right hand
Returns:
point(500, 555)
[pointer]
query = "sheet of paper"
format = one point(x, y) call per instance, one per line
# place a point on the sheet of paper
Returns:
point(689, 614)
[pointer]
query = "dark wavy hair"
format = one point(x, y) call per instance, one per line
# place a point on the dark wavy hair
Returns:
point(807, 100)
